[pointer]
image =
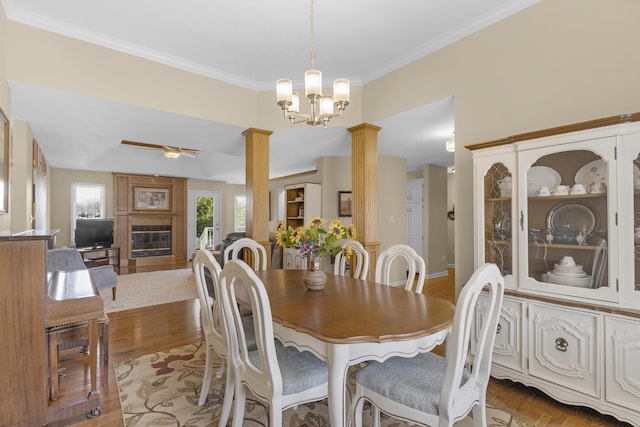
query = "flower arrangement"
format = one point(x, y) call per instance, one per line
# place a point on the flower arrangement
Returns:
point(314, 239)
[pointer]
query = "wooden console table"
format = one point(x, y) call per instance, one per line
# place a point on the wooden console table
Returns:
point(94, 257)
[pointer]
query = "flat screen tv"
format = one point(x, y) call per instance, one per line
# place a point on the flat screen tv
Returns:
point(94, 233)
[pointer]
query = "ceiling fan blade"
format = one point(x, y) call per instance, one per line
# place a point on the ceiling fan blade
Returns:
point(188, 153)
point(142, 144)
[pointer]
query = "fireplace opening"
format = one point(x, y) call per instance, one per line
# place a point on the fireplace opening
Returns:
point(150, 240)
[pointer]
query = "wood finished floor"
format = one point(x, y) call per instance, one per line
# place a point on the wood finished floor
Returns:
point(137, 332)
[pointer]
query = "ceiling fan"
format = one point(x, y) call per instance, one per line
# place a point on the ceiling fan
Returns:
point(170, 152)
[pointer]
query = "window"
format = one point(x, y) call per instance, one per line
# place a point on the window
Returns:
point(87, 201)
point(239, 213)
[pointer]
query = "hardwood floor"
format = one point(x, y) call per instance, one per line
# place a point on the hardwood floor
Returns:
point(141, 331)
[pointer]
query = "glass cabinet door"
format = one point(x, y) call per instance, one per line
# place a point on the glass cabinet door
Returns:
point(565, 220)
point(496, 204)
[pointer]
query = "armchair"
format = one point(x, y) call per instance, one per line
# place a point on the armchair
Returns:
point(71, 260)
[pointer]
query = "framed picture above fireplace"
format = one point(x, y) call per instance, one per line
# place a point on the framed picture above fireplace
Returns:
point(151, 198)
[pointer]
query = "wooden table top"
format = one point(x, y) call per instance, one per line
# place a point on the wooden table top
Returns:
point(351, 310)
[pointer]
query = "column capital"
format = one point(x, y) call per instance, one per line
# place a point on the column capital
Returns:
point(364, 126)
point(256, 130)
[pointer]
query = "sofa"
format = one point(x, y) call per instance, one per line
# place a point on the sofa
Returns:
point(70, 260)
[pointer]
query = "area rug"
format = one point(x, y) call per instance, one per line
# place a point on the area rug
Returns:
point(163, 389)
point(145, 289)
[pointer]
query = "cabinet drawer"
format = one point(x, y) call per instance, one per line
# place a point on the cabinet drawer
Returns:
point(507, 349)
point(563, 347)
point(622, 355)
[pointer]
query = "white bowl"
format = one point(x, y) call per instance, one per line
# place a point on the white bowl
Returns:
point(567, 261)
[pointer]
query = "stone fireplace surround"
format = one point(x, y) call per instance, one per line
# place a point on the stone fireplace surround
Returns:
point(128, 216)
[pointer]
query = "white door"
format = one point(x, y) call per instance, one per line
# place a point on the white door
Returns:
point(209, 202)
point(414, 214)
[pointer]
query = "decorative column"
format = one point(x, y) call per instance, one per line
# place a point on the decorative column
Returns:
point(257, 188)
point(364, 189)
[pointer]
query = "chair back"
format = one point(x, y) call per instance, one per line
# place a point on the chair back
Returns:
point(64, 260)
point(357, 265)
point(258, 253)
point(457, 399)
point(207, 272)
point(415, 266)
point(264, 377)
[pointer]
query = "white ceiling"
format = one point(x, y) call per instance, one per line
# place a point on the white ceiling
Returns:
point(357, 39)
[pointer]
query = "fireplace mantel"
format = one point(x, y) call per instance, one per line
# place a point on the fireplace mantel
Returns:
point(133, 207)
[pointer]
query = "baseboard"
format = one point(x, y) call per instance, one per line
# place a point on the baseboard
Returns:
point(451, 266)
point(436, 275)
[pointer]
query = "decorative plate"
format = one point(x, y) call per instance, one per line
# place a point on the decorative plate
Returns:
point(570, 217)
point(541, 176)
point(595, 171)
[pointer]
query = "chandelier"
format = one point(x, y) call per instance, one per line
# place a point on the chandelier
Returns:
point(321, 106)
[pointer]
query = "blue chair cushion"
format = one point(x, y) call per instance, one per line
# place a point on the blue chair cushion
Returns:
point(300, 370)
point(415, 382)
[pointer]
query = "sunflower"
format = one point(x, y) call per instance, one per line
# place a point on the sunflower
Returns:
point(314, 239)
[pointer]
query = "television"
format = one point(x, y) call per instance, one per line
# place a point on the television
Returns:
point(94, 233)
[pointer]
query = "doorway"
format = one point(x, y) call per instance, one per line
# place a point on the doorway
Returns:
point(203, 217)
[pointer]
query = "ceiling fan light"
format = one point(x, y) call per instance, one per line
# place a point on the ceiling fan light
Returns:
point(171, 154)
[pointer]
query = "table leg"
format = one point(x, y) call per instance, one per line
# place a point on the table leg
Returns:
point(338, 362)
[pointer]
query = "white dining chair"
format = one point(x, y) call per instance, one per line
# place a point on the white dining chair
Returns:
point(415, 266)
point(207, 272)
point(359, 261)
point(258, 252)
point(432, 390)
point(207, 268)
point(282, 376)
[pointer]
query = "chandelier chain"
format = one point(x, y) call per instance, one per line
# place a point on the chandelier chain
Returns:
point(313, 41)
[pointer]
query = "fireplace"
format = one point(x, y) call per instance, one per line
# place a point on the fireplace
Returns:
point(150, 240)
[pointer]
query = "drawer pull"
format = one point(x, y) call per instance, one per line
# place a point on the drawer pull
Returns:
point(498, 329)
point(561, 344)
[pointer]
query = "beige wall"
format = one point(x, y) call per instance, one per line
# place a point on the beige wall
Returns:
point(21, 193)
point(60, 190)
point(557, 62)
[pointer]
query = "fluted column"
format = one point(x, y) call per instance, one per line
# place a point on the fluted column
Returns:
point(364, 189)
point(257, 188)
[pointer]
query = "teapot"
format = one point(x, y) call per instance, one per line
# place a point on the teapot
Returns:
point(505, 186)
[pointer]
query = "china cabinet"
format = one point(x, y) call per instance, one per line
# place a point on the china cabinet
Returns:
point(558, 211)
point(302, 202)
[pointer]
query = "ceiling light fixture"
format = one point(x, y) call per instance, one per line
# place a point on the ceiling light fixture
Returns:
point(171, 154)
point(321, 105)
point(451, 145)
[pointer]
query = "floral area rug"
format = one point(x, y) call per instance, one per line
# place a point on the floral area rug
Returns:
point(162, 389)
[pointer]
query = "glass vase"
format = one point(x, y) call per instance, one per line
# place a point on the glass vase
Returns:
point(314, 278)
